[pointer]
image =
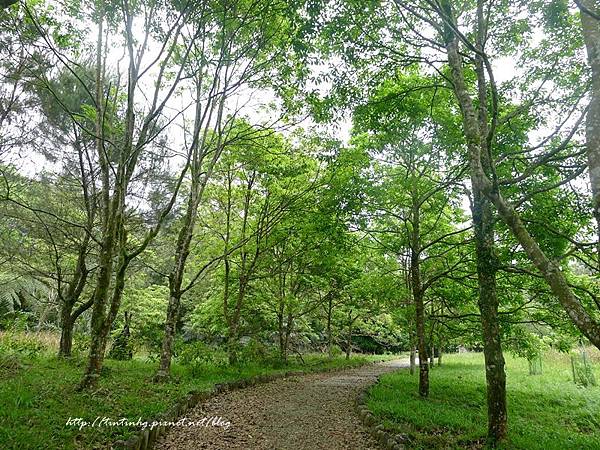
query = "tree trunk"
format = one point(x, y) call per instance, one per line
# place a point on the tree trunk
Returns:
point(422, 346)
point(476, 134)
point(245, 271)
point(417, 291)
point(66, 334)
point(74, 291)
point(166, 352)
point(412, 359)
point(488, 306)
point(286, 342)
point(182, 252)
point(591, 36)
point(349, 336)
point(234, 322)
point(68, 319)
point(329, 343)
point(101, 319)
point(109, 228)
point(281, 331)
point(440, 339)
point(200, 176)
point(97, 347)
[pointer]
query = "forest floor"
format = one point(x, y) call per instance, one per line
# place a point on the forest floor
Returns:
point(304, 412)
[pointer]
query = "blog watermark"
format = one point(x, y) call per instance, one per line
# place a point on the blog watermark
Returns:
point(103, 421)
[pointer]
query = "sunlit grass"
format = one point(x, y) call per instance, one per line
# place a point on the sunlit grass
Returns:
point(546, 411)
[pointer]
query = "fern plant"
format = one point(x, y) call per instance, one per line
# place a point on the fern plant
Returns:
point(17, 291)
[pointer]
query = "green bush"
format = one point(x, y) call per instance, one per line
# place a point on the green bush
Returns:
point(81, 344)
point(121, 349)
point(147, 307)
point(257, 352)
point(21, 344)
point(336, 350)
point(17, 321)
point(196, 356)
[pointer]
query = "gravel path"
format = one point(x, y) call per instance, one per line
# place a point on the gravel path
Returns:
point(306, 412)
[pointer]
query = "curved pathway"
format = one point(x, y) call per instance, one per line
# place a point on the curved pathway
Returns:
point(309, 412)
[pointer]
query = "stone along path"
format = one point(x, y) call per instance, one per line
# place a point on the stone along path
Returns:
point(305, 412)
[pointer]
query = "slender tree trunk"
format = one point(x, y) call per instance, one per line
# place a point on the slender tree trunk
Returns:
point(591, 37)
point(80, 274)
point(182, 252)
point(74, 290)
point(232, 345)
point(281, 331)
point(431, 339)
point(98, 328)
point(329, 337)
point(200, 176)
point(411, 327)
point(417, 291)
point(109, 228)
point(476, 134)
point(234, 322)
point(488, 307)
point(349, 336)
point(233, 338)
point(440, 343)
point(166, 352)
point(246, 268)
point(102, 319)
point(421, 345)
point(284, 355)
point(288, 333)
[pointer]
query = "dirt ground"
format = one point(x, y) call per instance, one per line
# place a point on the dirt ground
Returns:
point(306, 412)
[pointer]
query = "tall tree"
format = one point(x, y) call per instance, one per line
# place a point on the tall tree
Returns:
point(241, 39)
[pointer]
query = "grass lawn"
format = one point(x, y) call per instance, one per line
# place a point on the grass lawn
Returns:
point(37, 396)
point(545, 411)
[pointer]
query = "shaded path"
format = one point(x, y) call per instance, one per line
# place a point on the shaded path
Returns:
point(306, 412)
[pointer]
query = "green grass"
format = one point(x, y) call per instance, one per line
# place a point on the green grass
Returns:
point(545, 411)
point(37, 396)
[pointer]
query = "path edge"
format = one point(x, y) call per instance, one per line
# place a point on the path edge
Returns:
point(386, 439)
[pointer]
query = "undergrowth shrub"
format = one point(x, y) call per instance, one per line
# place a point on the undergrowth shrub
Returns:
point(197, 356)
point(21, 344)
point(121, 348)
point(257, 352)
point(583, 373)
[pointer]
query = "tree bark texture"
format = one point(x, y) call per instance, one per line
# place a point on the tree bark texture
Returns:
point(591, 36)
